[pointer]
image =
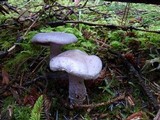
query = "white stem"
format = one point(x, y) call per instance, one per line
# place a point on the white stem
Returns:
point(55, 50)
point(77, 90)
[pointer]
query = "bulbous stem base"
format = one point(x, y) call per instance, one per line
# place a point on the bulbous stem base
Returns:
point(77, 90)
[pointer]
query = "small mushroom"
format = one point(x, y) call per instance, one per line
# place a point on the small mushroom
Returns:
point(79, 66)
point(55, 40)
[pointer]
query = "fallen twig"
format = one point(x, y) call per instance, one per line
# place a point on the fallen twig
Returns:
point(110, 26)
point(94, 105)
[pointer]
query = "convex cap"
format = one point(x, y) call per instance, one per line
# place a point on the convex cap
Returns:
point(77, 63)
point(54, 37)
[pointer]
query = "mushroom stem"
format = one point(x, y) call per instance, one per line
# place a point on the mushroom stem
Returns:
point(77, 90)
point(55, 50)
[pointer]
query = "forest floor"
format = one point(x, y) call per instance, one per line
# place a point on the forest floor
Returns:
point(125, 36)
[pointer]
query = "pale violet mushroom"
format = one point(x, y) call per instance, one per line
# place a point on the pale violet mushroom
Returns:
point(80, 66)
point(55, 40)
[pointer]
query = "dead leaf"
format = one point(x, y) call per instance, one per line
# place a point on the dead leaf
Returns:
point(31, 98)
point(5, 76)
point(135, 116)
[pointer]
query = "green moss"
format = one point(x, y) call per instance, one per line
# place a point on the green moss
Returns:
point(116, 44)
point(117, 35)
point(22, 112)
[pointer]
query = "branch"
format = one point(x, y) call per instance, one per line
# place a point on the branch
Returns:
point(93, 105)
point(110, 26)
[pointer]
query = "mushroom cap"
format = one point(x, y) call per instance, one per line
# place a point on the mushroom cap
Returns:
point(77, 63)
point(54, 37)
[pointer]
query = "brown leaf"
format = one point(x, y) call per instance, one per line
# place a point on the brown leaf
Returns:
point(5, 76)
point(135, 116)
point(31, 98)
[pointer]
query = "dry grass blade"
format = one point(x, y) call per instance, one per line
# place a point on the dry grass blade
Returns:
point(3, 10)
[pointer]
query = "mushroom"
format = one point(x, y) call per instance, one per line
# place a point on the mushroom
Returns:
point(55, 40)
point(79, 66)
